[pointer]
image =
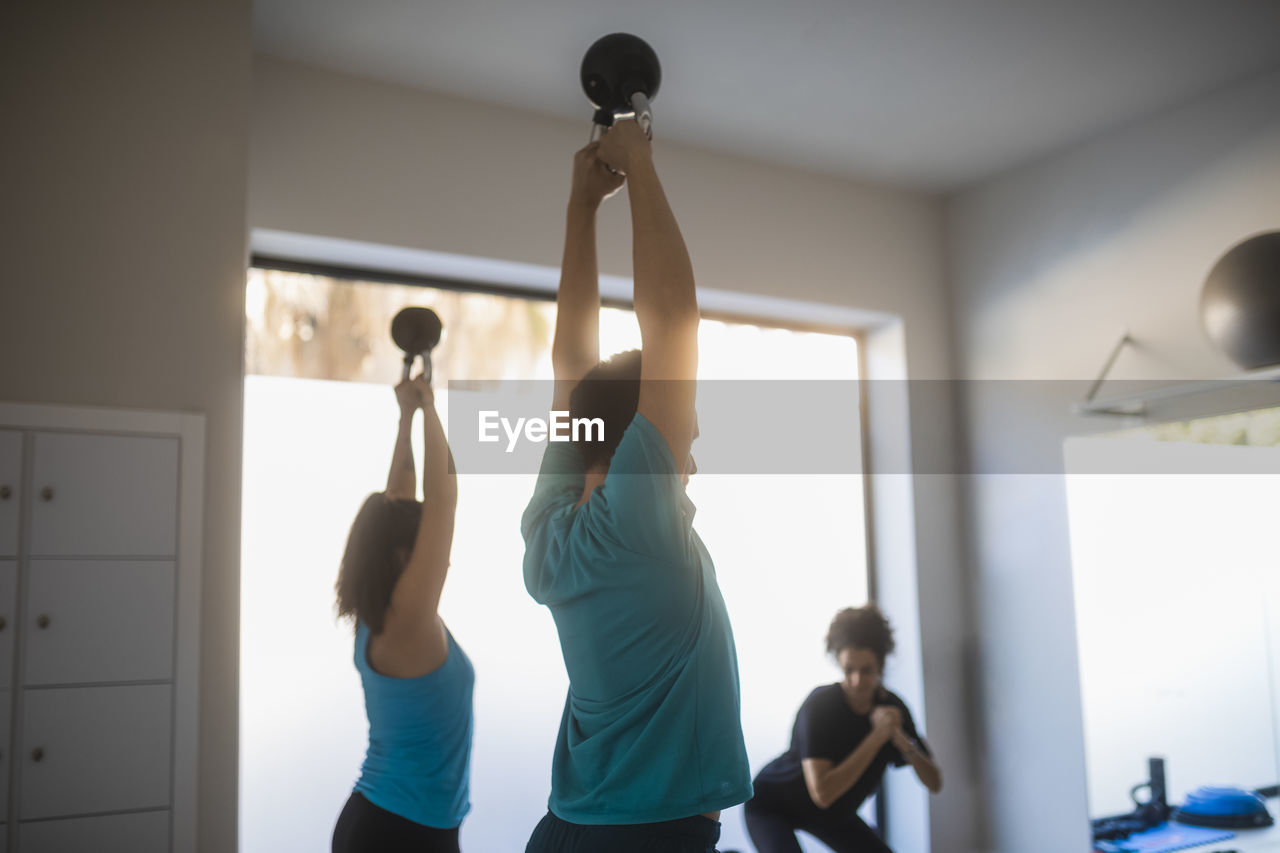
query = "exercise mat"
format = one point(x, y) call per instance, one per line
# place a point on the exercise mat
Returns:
point(1165, 838)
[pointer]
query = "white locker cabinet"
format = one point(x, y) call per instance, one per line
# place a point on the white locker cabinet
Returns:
point(143, 832)
point(10, 487)
point(94, 621)
point(6, 700)
point(99, 629)
point(89, 750)
point(104, 495)
point(8, 623)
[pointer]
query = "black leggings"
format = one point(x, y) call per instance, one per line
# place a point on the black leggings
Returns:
point(776, 811)
point(365, 828)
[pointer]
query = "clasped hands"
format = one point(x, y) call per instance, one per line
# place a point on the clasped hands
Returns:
point(414, 394)
point(601, 168)
point(887, 720)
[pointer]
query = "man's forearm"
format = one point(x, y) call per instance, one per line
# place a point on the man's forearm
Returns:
point(576, 346)
point(664, 285)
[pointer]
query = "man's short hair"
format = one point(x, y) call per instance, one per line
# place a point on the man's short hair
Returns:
point(611, 392)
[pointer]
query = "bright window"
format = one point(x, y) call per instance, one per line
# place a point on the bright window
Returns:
point(320, 419)
point(1177, 598)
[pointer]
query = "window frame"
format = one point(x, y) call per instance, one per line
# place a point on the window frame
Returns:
point(268, 262)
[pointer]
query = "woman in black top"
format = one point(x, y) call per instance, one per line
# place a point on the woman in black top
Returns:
point(844, 737)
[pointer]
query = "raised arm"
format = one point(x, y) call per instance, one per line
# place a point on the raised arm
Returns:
point(576, 346)
point(415, 633)
point(665, 302)
point(402, 479)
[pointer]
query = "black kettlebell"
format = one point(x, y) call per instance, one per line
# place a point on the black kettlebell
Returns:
point(620, 75)
point(416, 331)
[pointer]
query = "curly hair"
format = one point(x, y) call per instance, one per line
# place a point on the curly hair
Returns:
point(611, 392)
point(378, 548)
point(862, 628)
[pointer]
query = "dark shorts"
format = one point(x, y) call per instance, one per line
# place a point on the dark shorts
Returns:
point(687, 835)
point(366, 828)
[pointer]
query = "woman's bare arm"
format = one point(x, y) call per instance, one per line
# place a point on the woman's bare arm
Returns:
point(402, 478)
point(828, 781)
point(415, 641)
point(927, 770)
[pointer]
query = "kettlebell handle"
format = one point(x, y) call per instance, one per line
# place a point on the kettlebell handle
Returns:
point(408, 365)
point(641, 112)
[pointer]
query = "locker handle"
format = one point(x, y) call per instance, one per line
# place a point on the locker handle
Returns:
point(4, 493)
point(37, 754)
point(46, 494)
point(3, 623)
point(43, 620)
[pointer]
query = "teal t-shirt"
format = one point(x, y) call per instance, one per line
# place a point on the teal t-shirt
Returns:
point(652, 728)
point(419, 760)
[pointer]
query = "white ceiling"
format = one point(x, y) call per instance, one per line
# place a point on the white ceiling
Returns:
point(927, 94)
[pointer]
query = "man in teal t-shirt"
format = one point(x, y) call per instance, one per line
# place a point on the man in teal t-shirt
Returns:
point(650, 746)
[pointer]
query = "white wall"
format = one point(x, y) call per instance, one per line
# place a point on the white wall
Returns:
point(343, 157)
point(1048, 264)
point(124, 163)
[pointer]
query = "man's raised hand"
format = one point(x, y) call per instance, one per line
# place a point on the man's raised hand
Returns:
point(624, 142)
point(592, 180)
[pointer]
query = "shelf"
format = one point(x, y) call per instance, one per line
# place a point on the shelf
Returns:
point(1138, 404)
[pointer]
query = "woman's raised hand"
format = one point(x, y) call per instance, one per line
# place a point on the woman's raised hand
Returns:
point(426, 395)
point(414, 394)
point(408, 397)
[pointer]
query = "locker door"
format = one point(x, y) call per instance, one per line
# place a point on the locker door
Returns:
point(104, 496)
point(8, 607)
point(93, 621)
point(10, 483)
point(95, 749)
point(6, 700)
point(143, 832)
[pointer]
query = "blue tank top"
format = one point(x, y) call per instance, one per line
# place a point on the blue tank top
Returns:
point(419, 760)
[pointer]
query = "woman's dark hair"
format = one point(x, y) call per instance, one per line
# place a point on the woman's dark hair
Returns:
point(378, 548)
point(611, 392)
point(861, 628)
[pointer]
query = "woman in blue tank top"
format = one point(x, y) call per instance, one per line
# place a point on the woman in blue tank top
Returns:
point(413, 788)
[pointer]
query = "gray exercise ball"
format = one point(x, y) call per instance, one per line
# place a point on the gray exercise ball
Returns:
point(1240, 304)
